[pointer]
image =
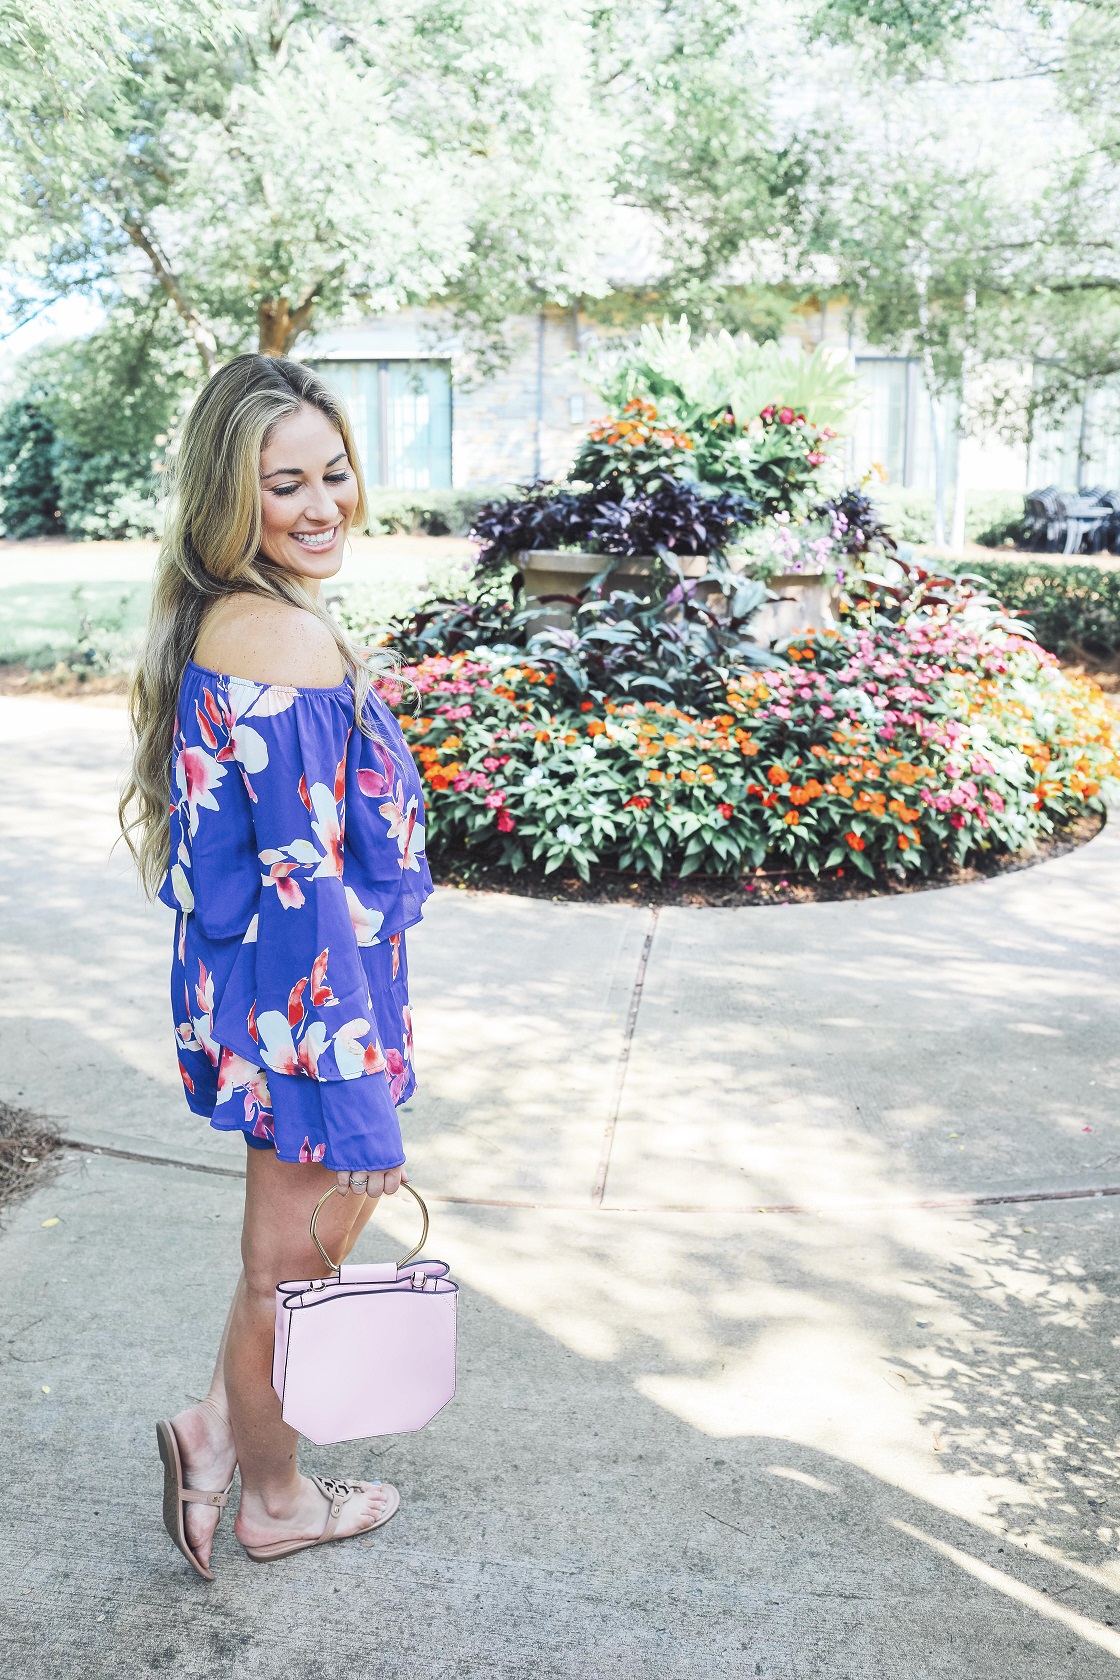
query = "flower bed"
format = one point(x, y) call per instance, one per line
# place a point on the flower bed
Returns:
point(910, 745)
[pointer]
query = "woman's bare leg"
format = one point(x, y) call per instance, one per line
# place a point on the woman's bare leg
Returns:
point(276, 1501)
point(204, 1431)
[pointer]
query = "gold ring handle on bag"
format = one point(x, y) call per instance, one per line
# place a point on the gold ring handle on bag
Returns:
point(412, 1253)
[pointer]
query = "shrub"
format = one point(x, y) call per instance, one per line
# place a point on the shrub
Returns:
point(991, 516)
point(675, 646)
point(1073, 608)
point(103, 407)
point(907, 746)
point(438, 513)
point(29, 493)
point(685, 377)
point(676, 515)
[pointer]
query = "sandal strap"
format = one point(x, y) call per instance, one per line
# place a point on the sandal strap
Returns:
point(198, 1496)
point(336, 1494)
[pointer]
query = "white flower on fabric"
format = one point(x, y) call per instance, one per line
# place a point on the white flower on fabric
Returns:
point(235, 1070)
point(249, 937)
point(181, 887)
point(366, 922)
point(405, 829)
point(277, 1045)
point(248, 747)
point(261, 701)
point(303, 851)
point(353, 1058)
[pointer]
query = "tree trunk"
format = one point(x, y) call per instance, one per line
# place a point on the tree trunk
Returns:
point(936, 416)
point(921, 276)
point(279, 325)
point(956, 536)
point(200, 334)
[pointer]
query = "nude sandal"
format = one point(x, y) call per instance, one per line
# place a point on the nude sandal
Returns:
point(336, 1494)
point(175, 1496)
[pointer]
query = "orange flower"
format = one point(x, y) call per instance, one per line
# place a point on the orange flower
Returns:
point(541, 735)
point(705, 773)
point(654, 775)
point(792, 818)
point(855, 842)
point(570, 738)
point(776, 775)
point(452, 742)
point(903, 843)
point(596, 728)
point(672, 740)
point(688, 775)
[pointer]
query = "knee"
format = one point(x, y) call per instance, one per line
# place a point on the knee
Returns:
point(266, 1265)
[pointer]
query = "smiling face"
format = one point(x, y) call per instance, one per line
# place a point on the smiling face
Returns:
point(308, 496)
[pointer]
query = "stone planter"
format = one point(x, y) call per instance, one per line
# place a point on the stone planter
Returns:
point(805, 598)
point(805, 603)
point(556, 571)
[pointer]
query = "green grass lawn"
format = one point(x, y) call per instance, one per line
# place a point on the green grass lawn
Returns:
point(41, 620)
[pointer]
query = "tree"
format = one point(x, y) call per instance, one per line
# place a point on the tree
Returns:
point(278, 165)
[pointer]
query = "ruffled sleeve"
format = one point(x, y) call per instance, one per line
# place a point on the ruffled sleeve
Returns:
point(297, 999)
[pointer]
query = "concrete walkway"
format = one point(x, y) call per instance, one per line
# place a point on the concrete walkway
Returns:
point(695, 1434)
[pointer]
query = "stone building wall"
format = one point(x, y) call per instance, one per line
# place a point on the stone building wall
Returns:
point(523, 421)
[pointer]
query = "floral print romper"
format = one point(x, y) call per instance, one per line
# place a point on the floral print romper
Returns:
point(296, 865)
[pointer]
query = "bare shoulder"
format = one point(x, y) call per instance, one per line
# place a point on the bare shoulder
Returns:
point(269, 642)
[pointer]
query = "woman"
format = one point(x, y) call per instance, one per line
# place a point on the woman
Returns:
point(274, 805)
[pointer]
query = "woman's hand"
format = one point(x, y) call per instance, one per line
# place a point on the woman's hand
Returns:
point(371, 1184)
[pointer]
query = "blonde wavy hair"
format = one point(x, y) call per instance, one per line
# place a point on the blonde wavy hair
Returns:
point(212, 548)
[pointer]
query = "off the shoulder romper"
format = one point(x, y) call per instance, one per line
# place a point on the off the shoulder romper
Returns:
point(297, 862)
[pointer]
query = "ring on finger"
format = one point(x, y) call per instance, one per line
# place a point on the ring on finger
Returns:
point(358, 1181)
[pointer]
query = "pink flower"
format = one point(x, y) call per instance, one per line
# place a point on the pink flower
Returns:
point(785, 416)
point(815, 458)
point(306, 1153)
point(495, 800)
point(958, 819)
point(505, 823)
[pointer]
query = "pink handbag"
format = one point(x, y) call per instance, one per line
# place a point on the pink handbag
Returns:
point(369, 1350)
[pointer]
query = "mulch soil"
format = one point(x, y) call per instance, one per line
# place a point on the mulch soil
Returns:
point(30, 1152)
point(17, 680)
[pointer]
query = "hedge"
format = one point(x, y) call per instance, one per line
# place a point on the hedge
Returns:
point(1072, 608)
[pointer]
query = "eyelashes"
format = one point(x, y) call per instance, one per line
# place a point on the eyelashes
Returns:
point(290, 489)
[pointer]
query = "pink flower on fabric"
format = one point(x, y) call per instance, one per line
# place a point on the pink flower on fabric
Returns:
point(405, 829)
point(280, 871)
point(308, 1154)
point(196, 776)
point(327, 827)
